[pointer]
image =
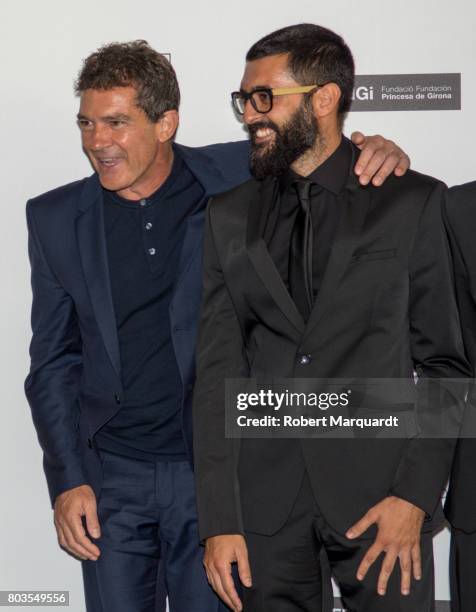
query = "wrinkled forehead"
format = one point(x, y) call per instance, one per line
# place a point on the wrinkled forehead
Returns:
point(271, 71)
point(109, 101)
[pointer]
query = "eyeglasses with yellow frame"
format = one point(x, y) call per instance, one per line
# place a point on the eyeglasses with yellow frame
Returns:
point(261, 98)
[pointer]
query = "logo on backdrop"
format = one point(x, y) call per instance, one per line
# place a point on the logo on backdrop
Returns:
point(406, 92)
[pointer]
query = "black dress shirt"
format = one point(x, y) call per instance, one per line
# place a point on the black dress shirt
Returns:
point(328, 180)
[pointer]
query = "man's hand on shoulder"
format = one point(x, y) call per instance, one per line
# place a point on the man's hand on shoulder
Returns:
point(70, 507)
point(220, 553)
point(399, 527)
point(379, 158)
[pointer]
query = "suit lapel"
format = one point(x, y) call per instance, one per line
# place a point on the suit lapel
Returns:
point(259, 255)
point(92, 242)
point(93, 254)
point(192, 243)
point(212, 182)
point(354, 203)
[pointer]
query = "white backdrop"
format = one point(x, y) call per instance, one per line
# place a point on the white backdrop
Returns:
point(41, 45)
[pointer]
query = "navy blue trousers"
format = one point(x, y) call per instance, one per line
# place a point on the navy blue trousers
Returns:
point(149, 541)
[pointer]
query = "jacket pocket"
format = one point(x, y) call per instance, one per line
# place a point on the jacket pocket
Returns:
point(373, 255)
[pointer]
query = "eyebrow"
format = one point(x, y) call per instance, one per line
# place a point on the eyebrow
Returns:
point(118, 117)
point(256, 88)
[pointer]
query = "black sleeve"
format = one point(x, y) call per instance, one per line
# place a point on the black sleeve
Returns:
point(220, 355)
point(437, 352)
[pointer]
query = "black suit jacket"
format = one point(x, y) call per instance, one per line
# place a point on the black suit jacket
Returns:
point(385, 307)
point(461, 221)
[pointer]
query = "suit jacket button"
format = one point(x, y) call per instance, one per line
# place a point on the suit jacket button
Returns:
point(117, 397)
point(305, 359)
point(90, 443)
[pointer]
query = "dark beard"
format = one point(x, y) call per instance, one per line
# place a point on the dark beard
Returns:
point(292, 140)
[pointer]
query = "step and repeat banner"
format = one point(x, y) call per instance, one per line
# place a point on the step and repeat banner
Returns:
point(416, 84)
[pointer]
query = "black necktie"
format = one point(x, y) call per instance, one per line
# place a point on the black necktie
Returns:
point(300, 256)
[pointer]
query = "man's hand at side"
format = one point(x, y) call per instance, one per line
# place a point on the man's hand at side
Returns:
point(220, 553)
point(379, 158)
point(399, 526)
point(70, 507)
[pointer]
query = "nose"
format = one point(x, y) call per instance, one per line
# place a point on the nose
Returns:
point(251, 115)
point(99, 137)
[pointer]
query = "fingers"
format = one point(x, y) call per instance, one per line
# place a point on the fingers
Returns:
point(406, 571)
point(403, 165)
point(371, 146)
point(361, 526)
point(223, 585)
point(229, 586)
point(369, 559)
point(70, 507)
point(72, 537)
point(244, 570)
point(61, 538)
point(386, 571)
point(212, 581)
point(379, 159)
point(70, 544)
point(409, 559)
point(416, 561)
point(381, 167)
point(81, 539)
point(210, 578)
point(220, 590)
point(378, 163)
point(358, 139)
point(399, 525)
point(92, 521)
point(395, 162)
point(220, 553)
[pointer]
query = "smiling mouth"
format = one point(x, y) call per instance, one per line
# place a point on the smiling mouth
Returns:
point(109, 162)
point(263, 135)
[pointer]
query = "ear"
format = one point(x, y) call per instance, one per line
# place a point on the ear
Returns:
point(167, 125)
point(326, 100)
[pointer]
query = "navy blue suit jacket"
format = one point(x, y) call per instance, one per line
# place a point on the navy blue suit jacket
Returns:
point(74, 385)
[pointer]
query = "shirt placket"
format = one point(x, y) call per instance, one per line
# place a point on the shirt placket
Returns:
point(149, 235)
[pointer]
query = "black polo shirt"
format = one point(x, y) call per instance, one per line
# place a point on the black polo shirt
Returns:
point(144, 242)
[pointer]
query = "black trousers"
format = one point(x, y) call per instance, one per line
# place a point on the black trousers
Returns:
point(291, 569)
point(463, 571)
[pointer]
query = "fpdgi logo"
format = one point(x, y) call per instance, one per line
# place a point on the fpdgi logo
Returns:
point(363, 93)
